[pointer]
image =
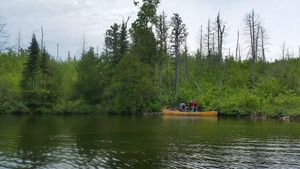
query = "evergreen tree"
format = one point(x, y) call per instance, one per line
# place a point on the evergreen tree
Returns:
point(132, 87)
point(112, 43)
point(88, 85)
point(116, 42)
point(32, 66)
point(44, 67)
point(144, 42)
point(124, 43)
point(162, 35)
point(178, 36)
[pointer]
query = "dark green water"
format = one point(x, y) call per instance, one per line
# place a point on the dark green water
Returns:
point(146, 142)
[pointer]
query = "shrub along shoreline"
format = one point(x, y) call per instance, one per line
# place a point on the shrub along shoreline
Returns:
point(276, 93)
point(146, 67)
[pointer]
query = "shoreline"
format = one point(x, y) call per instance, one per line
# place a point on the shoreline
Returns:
point(292, 118)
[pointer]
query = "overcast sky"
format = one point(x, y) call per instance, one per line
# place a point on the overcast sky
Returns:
point(66, 21)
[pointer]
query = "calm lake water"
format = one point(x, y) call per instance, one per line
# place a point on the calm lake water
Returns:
point(146, 142)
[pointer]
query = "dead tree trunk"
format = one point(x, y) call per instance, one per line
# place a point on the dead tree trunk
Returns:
point(42, 40)
point(263, 45)
point(237, 45)
point(208, 39)
point(57, 51)
point(201, 43)
point(283, 50)
point(220, 35)
point(19, 43)
point(253, 26)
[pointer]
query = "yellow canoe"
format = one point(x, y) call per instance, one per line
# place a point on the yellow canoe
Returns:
point(179, 113)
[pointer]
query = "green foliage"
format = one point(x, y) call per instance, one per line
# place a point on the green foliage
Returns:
point(144, 42)
point(240, 101)
point(39, 101)
point(31, 69)
point(88, 86)
point(131, 86)
point(124, 79)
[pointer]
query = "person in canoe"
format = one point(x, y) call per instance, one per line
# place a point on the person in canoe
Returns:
point(182, 107)
point(194, 105)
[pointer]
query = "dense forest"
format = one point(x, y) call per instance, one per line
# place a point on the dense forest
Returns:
point(146, 66)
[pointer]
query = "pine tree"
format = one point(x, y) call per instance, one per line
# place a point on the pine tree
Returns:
point(144, 42)
point(31, 68)
point(112, 43)
point(44, 67)
point(124, 43)
point(162, 36)
point(178, 36)
point(88, 85)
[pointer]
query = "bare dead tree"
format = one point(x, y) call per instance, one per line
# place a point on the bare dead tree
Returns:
point(42, 40)
point(201, 42)
point(57, 51)
point(288, 54)
point(299, 52)
point(3, 36)
point(253, 25)
point(240, 56)
point(83, 44)
point(237, 46)
point(208, 38)
point(264, 42)
point(69, 58)
point(213, 43)
point(257, 42)
point(293, 53)
point(19, 42)
point(220, 29)
point(283, 49)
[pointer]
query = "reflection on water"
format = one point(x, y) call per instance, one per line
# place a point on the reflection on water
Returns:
point(191, 118)
point(152, 142)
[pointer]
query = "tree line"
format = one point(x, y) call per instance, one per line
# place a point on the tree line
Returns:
point(146, 66)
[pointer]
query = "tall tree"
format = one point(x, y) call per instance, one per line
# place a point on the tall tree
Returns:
point(57, 51)
point(283, 49)
point(3, 36)
point(263, 36)
point(220, 29)
point(42, 40)
point(143, 38)
point(116, 42)
point(208, 38)
point(32, 66)
point(162, 35)
point(253, 26)
point(200, 52)
point(186, 65)
point(88, 85)
point(237, 56)
point(132, 81)
point(124, 43)
point(19, 43)
point(44, 68)
point(112, 43)
point(213, 43)
point(178, 36)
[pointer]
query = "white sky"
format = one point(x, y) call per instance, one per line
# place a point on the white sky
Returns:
point(66, 21)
